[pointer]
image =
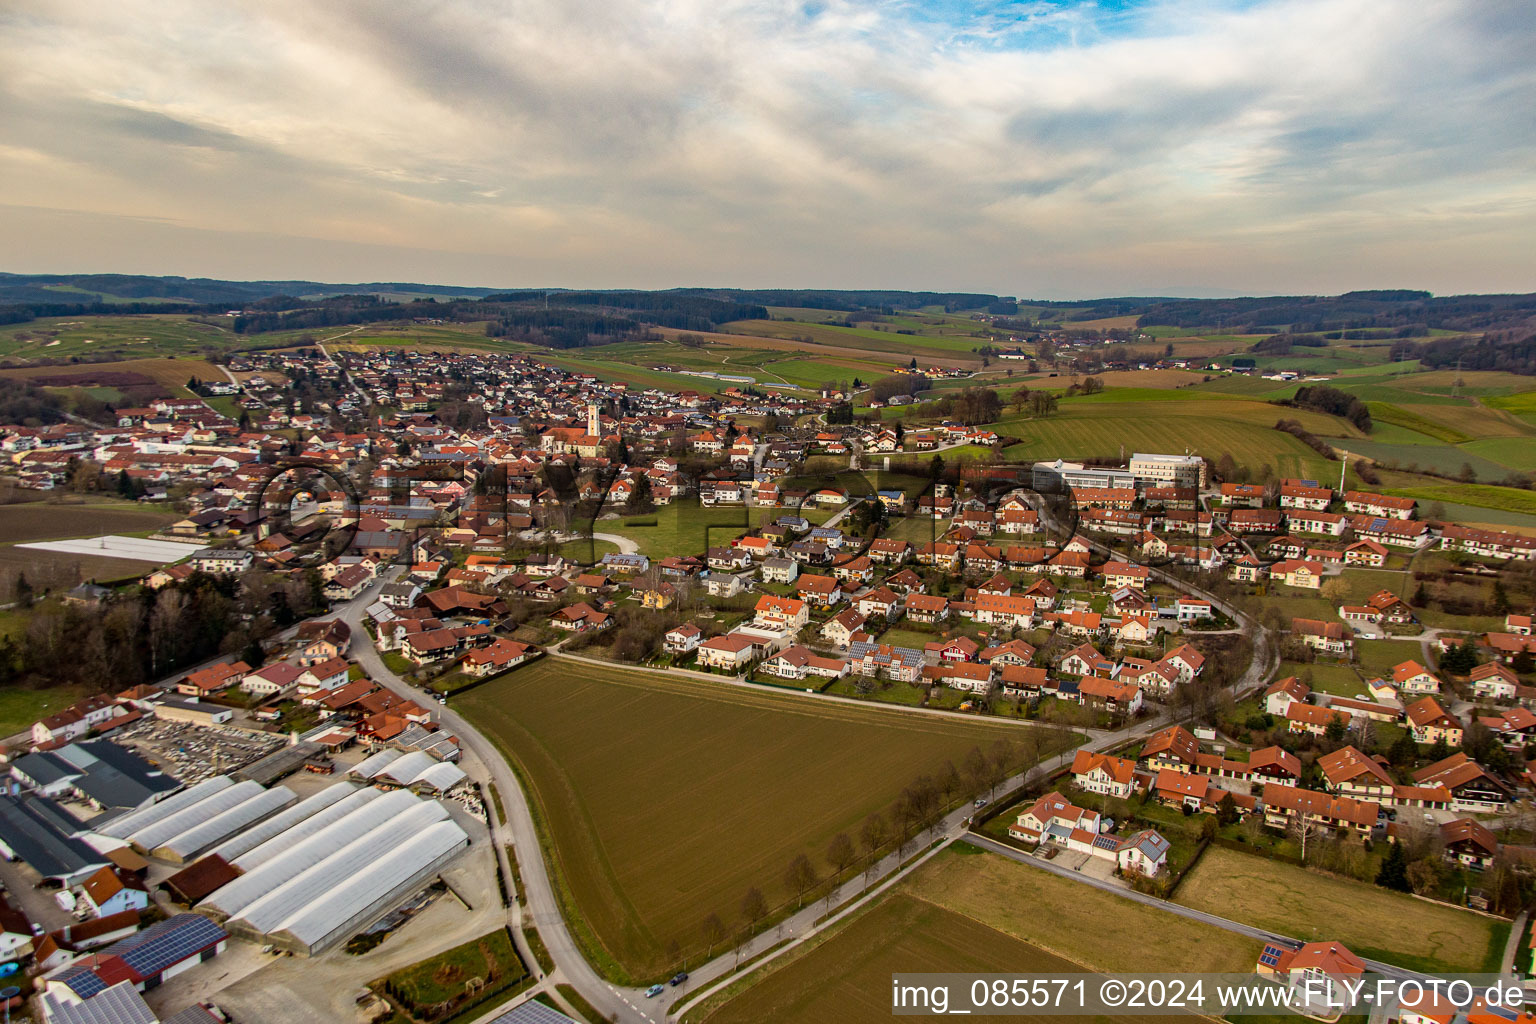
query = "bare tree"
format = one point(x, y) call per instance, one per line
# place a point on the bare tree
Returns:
point(840, 853)
point(949, 781)
point(714, 932)
point(753, 907)
point(799, 877)
point(873, 835)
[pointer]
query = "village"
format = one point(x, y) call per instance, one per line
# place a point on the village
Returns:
point(735, 538)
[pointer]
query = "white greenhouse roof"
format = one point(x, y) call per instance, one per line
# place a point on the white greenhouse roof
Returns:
point(371, 765)
point(126, 825)
point(352, 900)
point(403, 771)
point(258, 881)
point(248, 840)
point(220, 827)
point(291, 837)
point(173, 825)
point(440, 777)
point(361, 857)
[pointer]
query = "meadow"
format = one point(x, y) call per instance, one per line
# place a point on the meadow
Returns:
point(122, 337)
point(665, 799)
point(1105, 428)
point(1380, 924)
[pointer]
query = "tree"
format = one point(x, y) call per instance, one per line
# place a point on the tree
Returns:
point(714, 932)
point(1226, 810)
point(1394, 870)
point(1500, 600)
point(640, 499)
point(1403, 751)
point(753, 907)
point(936, 467)
point(799, 877)
point(1335, 729)
point(840, 853)
point(1459, 659)
point(1467, 475)
point(1042, 403)
point(873, 835)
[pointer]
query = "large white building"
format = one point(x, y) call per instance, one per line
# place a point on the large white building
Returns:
point(1168, 470)
point(1049, 477)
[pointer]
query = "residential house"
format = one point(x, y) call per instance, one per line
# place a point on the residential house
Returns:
point(1104, 773)
point(1430, 723)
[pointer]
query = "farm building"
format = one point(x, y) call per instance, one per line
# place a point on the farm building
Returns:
point(307, 895)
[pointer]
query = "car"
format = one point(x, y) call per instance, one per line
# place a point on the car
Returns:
point(654, 991)
point(981, 801)
point(678, 978)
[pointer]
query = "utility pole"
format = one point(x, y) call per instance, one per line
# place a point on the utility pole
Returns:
point(1342, 470)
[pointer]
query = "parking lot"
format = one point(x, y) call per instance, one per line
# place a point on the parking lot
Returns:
point(193, 753)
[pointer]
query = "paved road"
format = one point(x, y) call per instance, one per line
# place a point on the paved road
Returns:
point(542, 909)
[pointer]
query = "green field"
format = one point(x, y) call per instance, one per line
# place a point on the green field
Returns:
point(685, 527)
point(1375, 923)
point(1210, 427)
point(19, 707)
point(122, 337)
point(1507, 499)
point(667, 798)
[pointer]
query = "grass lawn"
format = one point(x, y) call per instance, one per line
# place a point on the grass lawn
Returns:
point(666, 799)
point(885, 692)
point(20, 707)
point(1374, 922)
point(1339, 680)
point(1100, 426)
point(685, 527)
point(586, 550)
point(438, 979)
point(1378, 657)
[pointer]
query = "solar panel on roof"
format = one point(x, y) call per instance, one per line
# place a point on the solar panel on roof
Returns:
point(533, 1012)
point(167, 943)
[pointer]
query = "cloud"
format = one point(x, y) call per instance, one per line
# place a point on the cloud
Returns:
point(1087, 148)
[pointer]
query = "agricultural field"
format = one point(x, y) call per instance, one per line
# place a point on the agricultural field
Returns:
point(123, 337)
point(46, 520)
point(847, 977)
point(926, 348)
point(171, 372)
point(1380, 924)
point(965, 911)
point(1104, 428)
point(38, 520)
point(738, 780)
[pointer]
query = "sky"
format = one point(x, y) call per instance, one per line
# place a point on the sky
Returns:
point(1041, 148)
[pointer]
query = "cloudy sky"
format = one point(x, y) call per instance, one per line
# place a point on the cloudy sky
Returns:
point(1033, 147)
